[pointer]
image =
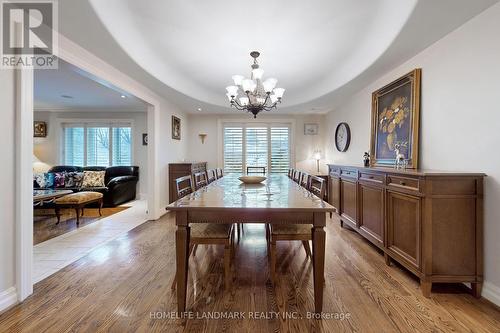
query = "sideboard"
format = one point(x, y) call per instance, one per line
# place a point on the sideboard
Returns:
point(430, 222)
point(177, 170)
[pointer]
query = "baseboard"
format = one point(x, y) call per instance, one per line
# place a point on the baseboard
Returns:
point(491, 293)
point(8, 298)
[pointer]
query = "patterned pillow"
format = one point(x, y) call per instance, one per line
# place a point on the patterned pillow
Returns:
point(73, 179)
point(59, 179)
point(93, 178)
point(44, 180)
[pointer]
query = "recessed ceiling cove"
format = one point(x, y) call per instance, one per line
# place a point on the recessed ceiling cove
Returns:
point(312, 47)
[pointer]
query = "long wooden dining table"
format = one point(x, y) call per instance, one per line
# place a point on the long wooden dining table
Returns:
point(278, 200)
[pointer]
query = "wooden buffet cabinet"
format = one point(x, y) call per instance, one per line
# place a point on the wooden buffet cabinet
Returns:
point(428, 221)
point(177, 170)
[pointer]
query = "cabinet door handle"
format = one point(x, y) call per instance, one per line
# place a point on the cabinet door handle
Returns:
point(370, 177)
point(402, 183)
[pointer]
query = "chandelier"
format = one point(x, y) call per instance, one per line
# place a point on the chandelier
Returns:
point(254, 95)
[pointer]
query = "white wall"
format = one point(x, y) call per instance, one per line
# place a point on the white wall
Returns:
point(48, 149)
point(460, 118)
point(208, 124)
point(7, 177)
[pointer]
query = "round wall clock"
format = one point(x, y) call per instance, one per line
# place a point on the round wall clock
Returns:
point(342, 137)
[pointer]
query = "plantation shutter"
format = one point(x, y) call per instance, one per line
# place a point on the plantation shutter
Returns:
point(256, 147)
point(233, 149)
point(74, 138)
point(122, 144)
point(280, 149)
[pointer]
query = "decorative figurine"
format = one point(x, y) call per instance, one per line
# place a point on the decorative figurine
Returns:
point(400, 161)
point(366, 159)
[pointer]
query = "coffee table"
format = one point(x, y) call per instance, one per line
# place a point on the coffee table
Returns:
point(41, 197)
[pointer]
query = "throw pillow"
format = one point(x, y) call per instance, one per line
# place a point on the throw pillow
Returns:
point(93, 178)
point(73, 179)
point(44, 180)
point(59, 179)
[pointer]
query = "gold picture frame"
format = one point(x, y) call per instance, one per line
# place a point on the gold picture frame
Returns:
point(39, 129)
point(395, 123)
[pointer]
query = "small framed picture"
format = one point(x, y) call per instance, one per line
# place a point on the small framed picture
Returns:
point(144, 139)
point(39, 129)
point(176, 128)
point(311, 129)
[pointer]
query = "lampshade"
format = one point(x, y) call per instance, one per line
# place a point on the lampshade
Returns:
point(269, 84)
point(274, 99)
point(238, 79)
point(39, 166)
point(232, 90)
point(229, 97)
point(279, 92)
point(317, 155)
point(248, 85)
point(257, 73)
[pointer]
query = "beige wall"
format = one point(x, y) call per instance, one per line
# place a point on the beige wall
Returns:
point(460, 117)
point(304, 145)
point(49, 149)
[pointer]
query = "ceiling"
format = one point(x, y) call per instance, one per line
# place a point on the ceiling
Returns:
point(68, 88)
point(321, 51)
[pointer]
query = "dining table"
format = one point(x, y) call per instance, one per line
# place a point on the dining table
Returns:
point(277, 200)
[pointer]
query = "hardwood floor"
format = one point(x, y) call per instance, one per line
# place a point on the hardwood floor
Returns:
point(124, 286)
point(45, 227)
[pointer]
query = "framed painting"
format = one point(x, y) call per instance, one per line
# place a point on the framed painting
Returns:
point(39, 129)
point(176, 128)
point(396, 121)
point(311, 129)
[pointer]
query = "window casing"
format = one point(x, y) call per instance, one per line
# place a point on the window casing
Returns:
point(97, 144)
point(256, 144)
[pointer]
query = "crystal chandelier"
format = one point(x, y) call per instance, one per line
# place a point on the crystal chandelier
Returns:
point(254, 95)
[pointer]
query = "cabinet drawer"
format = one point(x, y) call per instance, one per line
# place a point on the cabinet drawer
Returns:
point(412, 184)
point(349, 173)
point(334, 171)
point(371, 177)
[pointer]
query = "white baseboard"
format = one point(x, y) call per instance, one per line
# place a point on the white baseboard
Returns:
point(491, 293)
point(8, 298)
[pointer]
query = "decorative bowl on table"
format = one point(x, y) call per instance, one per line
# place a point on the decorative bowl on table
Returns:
point(252, 179)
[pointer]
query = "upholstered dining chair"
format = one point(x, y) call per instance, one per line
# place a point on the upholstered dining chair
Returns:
point(304, 180)
point(296, 176)
point(256, 169)
point(211, 175)
point(219, 173)
point(207, 233)
point(200, 180)
point(290, 232)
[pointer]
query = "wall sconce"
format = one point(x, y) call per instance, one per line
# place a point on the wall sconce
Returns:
point(202, 137)
point(317, 157)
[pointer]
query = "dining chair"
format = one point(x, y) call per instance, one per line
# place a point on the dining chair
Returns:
point(256, 169)
point(211, 175)
point(207, 233)
point(291, 232)
point(296, 176)
point(290, 172)
point(200, 180)
point(219, 173)
point(304, 180)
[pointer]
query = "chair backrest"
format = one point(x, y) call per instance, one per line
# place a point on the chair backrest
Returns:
point(200, 180)
point(290, 173)
point(184, 186)
point(296, 176)
point(211, 175)
point(256, 169)
point(317, 186)
point(219, 173)
point(304, 180)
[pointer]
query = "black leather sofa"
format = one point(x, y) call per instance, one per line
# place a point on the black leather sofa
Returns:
point(120, 182)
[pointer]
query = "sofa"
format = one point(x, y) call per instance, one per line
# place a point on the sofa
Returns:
point(120, 182)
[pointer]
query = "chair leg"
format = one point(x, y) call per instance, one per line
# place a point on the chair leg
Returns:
point(227, 265)
point(100, 206)
point(233, 248)
point(273, 261)
point(58, 214)
point(77, 210)
point(307, 248)
point(238, 225)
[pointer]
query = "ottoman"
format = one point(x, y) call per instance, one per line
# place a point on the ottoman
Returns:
point(77, 201)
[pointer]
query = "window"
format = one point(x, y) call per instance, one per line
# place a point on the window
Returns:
point(266, 145)
point(88, 144)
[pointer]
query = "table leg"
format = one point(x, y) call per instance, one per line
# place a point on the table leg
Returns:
point(182, 252)
point(318, 240)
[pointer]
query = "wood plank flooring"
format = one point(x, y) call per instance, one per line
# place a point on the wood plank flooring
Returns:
point(45, 228)
point(124, 286)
